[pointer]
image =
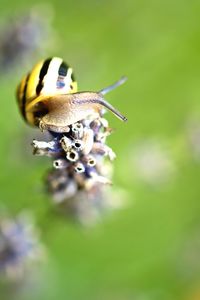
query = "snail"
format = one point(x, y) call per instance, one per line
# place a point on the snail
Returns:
point(48, 98)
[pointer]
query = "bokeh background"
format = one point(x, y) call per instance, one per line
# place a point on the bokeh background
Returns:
point(150, 249)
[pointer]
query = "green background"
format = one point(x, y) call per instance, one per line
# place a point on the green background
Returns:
point(150, 250)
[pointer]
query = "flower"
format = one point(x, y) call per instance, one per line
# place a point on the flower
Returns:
point(152, 162)
point(25, 35)
point(80, 171)
point(19, 245)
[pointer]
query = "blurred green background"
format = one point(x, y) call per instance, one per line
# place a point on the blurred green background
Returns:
point(149, 250)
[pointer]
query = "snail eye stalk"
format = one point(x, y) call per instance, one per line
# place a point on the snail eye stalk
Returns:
point(113, 86)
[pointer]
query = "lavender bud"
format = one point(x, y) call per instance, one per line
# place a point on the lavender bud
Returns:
point(79, 168)
point(77, 130)
point(104, 123)
point(72, 155)
point(69, 190)
point(88, 139)
point(66, 143)
point(78, 145)
point(91, 161)
point(102, 149)
point(60, 164)
point(95, 125)
point(45, 148)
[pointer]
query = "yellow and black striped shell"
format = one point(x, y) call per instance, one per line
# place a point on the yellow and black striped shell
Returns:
point(47, 78)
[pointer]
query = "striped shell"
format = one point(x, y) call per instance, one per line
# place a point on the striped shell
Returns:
point(48, 77)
